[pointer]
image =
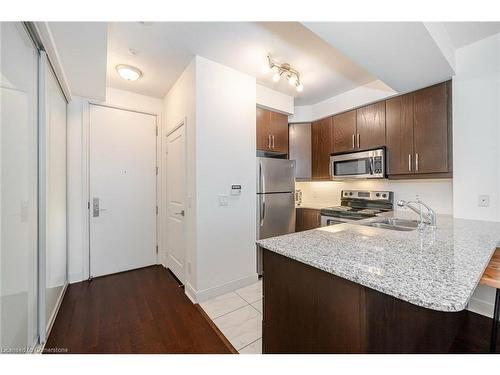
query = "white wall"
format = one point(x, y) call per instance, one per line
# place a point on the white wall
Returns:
point(131, 100)
point(218, 106)
point(271, 99)
point(369, 93)
point(77, 113)
point(77, 261)
point(476, 139)
point(180, 105)
point(437, 193)
point(225, 155)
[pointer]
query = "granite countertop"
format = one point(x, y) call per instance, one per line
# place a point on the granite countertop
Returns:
point(437, 269)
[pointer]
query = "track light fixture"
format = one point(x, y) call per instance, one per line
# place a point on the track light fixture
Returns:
point(283, 70)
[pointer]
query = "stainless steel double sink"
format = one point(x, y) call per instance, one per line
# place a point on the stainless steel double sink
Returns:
point(393, 224)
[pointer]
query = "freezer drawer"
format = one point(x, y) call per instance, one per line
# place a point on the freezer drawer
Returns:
point(275, 175)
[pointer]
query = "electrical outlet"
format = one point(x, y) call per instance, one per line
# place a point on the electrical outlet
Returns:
point(223, 200)
point(483, 201)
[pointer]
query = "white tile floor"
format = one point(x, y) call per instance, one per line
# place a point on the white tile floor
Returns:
point(238, 315)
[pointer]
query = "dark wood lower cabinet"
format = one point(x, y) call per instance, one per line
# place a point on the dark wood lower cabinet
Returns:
point(307, 310)
point(306, 218)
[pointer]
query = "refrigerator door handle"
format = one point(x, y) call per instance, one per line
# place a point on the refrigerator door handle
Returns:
point(262, 208)
point(262, 179)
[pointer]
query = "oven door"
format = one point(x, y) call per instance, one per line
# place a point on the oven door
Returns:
point(330, 220)
point(365, 164)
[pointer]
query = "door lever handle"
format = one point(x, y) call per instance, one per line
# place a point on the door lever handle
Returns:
point(179, 213)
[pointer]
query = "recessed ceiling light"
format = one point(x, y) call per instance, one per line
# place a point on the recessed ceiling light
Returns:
point(129, 73)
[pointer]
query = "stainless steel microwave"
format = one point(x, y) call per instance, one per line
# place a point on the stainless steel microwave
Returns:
point(362, 164)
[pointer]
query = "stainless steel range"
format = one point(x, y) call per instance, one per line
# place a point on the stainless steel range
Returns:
point(357, 205)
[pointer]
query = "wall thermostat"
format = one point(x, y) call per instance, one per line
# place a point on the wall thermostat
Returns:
point(235, 189)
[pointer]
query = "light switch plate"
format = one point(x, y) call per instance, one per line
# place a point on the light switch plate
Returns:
point(483, 201)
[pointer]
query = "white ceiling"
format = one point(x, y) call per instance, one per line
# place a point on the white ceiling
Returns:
point(464, 33)
point(401, 54)
point(164, 49)
point(404, 55)
point(82, 47)
point(332, 57)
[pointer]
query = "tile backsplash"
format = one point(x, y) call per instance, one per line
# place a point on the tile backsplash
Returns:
point(436, 193)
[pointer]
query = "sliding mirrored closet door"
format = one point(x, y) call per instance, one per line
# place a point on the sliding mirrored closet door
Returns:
point(18, 189)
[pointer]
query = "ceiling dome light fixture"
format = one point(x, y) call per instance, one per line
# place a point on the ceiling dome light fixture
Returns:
point(128, 72)
point(286, 71)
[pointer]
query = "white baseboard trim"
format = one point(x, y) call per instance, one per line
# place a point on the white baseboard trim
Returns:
point(53, 316)
point(190, 292)
point(480, 307)
point(75, 277)
point(198, 296)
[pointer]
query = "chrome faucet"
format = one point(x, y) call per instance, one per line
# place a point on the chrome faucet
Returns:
point(426, 219)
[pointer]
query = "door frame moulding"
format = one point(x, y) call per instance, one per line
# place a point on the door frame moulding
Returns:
point(86, 198)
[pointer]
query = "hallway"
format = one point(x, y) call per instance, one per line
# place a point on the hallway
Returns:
point(139, 311)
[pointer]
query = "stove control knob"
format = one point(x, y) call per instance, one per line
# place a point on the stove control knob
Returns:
point(378, 194)
point(384, 195)
point(350, 193)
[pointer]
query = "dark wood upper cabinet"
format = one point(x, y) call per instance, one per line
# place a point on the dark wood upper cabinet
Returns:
point(370, 126)
point(263, 122)
point(344, 132)
point(399, 134)
point(431, 130)
point(321, 146)
point(279, 132)
point(419, 133)
point(272, 131)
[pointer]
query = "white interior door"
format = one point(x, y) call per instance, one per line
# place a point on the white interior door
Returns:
point(176, 185)
point(122, 190)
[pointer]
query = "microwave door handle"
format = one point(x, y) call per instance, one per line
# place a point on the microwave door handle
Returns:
point(371, 166)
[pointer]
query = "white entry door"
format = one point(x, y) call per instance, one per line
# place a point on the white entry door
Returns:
point(122, 190)
point(176, 185)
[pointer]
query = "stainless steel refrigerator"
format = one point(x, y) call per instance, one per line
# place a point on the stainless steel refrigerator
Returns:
point(275, 200)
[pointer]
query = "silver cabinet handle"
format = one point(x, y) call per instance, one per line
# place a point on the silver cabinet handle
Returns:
point(416, 161)
point(269, 141)
point(409, 162)
point(358, 140)
point(179, 213)
point(353, 141)
point(273, 141)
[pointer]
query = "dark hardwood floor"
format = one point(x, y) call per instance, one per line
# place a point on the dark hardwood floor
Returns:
point(145, 311)
point(140, 311)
